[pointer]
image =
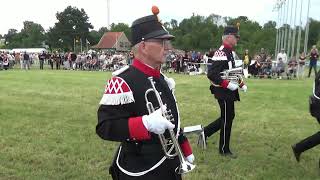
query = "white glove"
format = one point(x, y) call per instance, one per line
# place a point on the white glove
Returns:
point(232, 86)
point(190, 158)
point(244, 88)
point(156, 123)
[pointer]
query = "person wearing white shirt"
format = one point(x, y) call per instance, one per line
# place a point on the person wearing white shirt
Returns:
point(282, 61)
point(283, 57)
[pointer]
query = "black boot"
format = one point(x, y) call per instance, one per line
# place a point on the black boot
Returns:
point(229, 154)
point(296, 153)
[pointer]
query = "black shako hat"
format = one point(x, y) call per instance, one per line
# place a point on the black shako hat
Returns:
point(231, 30)
point(148, 27)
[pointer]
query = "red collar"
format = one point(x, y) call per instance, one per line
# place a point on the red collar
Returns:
point(227, 46)
point(146, 69)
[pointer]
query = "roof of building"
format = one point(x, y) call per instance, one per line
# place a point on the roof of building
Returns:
point(108, 40)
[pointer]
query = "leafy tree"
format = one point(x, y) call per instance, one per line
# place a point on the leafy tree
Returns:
point(94, 37)
point(314, 33)
point(11, 38)
point(33, 35)
point(73, 24)
point(174, 24)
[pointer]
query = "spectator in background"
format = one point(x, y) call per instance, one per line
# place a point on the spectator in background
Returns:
point(131, 57)
point(11, 60)
point(280, 68)
point(5, 61)
point(254, 68)
point(184, 62)
point(314, 55)
point(73, 58)
point(205, 60)
point(42, 57)
point(21, 60)
point(246, 59)
point(292, 68)
point(198, 60)
point(57, 59)
point(78, 61)
point(35, 58)
point(17, 58)
point(26, 61)
point(267, 67)
point(193, 56)
point(283, 56)
point(302, 63)
point(50, 60)
point(263, 55)
point(284, 60)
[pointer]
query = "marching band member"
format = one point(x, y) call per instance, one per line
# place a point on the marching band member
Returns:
point(225, 91)
point(314, 139)
point(123, 115)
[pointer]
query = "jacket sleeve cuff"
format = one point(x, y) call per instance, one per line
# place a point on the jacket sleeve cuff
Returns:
point(224, 84)
point(137, 131)
point(186, 148)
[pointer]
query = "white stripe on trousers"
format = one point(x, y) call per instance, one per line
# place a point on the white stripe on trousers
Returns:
point(224, 126)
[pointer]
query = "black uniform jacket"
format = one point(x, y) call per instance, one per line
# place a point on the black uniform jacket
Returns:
point(315, 99)
point(120, 116)
point(222, 60)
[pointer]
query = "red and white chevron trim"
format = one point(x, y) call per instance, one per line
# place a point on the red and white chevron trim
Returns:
point(117, 92)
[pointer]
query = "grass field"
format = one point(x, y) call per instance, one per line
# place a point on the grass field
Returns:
point(48, 118)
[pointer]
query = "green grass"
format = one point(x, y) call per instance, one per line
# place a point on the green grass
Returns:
point(48, 118)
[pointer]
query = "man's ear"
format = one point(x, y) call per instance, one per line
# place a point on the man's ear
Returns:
point(142, 48)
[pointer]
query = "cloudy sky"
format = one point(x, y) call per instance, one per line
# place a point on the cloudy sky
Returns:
point(43, 12)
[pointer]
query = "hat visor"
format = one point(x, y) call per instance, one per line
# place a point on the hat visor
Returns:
point(165, 36)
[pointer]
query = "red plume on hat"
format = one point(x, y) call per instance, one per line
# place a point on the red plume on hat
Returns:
point(155, 10)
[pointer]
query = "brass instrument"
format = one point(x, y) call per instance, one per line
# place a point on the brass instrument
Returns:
point(234, 75)
point(184, 166)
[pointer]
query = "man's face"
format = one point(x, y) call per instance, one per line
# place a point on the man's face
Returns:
point(157, 49)
point(232, 40)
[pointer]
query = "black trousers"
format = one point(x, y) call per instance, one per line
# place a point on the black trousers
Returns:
point(315, 70)
point(224, 124)
point(41, 63)
point(51, 63)
point(57, 64)
point(308, 143)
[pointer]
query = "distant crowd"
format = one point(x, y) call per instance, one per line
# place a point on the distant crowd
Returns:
point(69, 61)
point(263, 66)
point(260, 65)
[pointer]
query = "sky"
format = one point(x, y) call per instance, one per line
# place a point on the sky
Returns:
point(126, 11)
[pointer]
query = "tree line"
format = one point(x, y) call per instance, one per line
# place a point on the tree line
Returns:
point(198, 33)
